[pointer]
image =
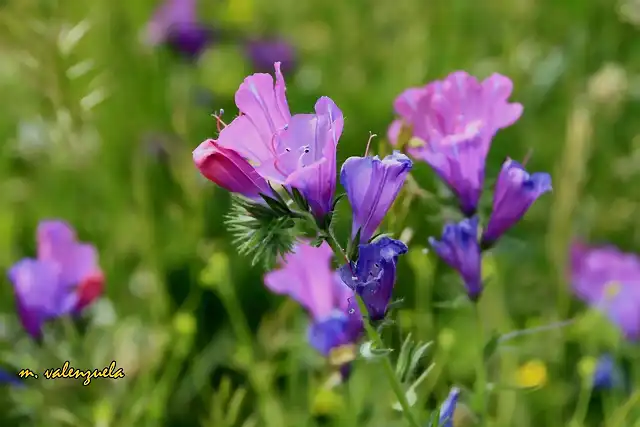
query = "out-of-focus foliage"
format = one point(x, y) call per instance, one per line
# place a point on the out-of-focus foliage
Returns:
point(98, 129)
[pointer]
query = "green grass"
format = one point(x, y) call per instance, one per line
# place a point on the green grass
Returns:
point(199, 338)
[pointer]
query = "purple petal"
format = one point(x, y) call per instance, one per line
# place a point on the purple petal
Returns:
point(40, 295)
point(607, 279)
point(313, 165)
point(515, 192)
point(306, 276)
point(459, 248)
point(372, 186)
point(266, 114)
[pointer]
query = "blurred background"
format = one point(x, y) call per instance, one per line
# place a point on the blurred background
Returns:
point(100, 113)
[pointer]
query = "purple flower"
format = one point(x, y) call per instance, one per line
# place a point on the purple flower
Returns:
point(175, 24)
point(63, 280)
point(374, 274)
point(459, 248)
point(264, 52)
point(515, 192)
point(448, 408)
point(307, 277)
point(607, 279)
point(298, 151)
point(457, 118)
point(607, 374)
point(372, 186)
point(229, 170)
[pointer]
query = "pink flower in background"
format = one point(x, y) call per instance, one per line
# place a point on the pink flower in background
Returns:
point(63, 279)
point(456, 118)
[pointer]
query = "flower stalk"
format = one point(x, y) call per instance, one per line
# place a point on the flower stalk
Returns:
point(375, 337)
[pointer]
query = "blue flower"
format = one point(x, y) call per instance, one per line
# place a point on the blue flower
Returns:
point(335, 331)
point(515, 192)
point(9, 378)
point(374, 274)
point(459, 248)
point(448, 408)
point(372, 186)
point(607, 374)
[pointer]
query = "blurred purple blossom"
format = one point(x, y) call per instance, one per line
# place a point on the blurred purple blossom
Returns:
point(263, 52)
point(175, 23)
point(295, 151)
point(306, 276)
point(608, 280)
point(460, 249)
point(372, 186)
point(373, 276)
point(456, 119)
point(63, 279)
point(516, 190)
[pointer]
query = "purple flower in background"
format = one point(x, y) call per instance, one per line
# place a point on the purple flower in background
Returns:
point(63, 279)
point(298, 151)
point(263, 53)
point(448, 408)
point(515, 192)
point(306, 276)
point(457, 118)
point(229, 170)
point(374, 274)
point(609, 280)
point(175, 24)
point(372, 186)
point(607, 374)
point(459, 248)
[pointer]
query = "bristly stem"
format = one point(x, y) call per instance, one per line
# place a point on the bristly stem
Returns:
point(373, 335)
point(481, 375)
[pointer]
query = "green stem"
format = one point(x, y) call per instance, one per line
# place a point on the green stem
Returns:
point(481, 375)
point(266, 403)
point(373, 335)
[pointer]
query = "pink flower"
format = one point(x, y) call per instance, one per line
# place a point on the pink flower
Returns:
point(456, 118)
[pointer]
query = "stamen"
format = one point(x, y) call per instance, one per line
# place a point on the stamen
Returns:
point(371, 135)
point(219, 122)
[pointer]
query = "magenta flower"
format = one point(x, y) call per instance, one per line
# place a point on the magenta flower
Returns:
point(372, 186)
point(373, 276)
point(607, 279)
point(306, 276)
point(229, 170)
point(264, 52)
point(297, 152)
point(459, 248)
point(63, 280)
point(457, 118)
point(515, 192)
point(175, 24)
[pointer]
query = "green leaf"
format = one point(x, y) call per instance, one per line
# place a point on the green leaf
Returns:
point(353, 246)
point(299, 199)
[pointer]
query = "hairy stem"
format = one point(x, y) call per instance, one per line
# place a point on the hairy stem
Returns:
point(373, 335)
